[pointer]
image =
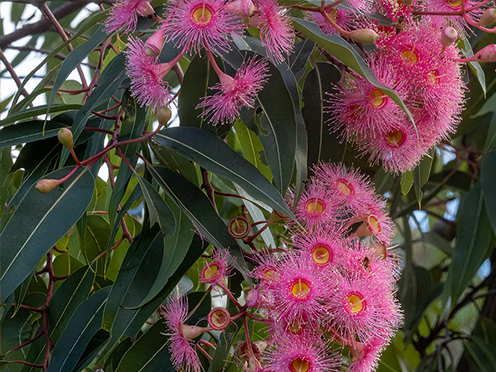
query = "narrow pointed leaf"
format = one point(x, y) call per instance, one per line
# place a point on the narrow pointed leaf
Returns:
point(158, 209)
point(215, 155)
point(38, 223)
point(84, 324)
point(28, 132)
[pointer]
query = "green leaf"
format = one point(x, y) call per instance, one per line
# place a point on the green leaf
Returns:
point(474, 66)
point(149, 354)
point(84, 324)
point(96, 343)
point(345, 53)
point(251, 147)
point(35, 111)
point(406, 182)
point(89, 23)
point(322, 145)
point(198, 78)
point(299, 57)
point(200, 211)
point(75, 58)
point(127, 322)
point(38, 223)
point(111, 79)
point(473, 244)
point(28, 132)
point(215, 155)
point(158, 209)
point(488, 180)
point(173, 253)
point(421, 175)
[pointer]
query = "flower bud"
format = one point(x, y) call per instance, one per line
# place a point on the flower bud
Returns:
point(241, 8)
point(164, 114)
point(252, 298)
point(448, 37)
point(363, 36)
point(192, 332)
point(65, 138)
point(146, 10)
point(155, 43)
point(488, 17)
point(487, 54)
point(46, 185)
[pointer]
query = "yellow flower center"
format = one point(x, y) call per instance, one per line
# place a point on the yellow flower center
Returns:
point(344, 187)
point(211, 271)
point(321, 254)
point(356, 303)
point(378, 98)
point(299, 365)
point(374, 224)
point(315, 206)
point(409, 56)
point(395, 138)
point(454, 3)
point(333, 15)
point(202, 14)
point(294, 327)
point(300, 289)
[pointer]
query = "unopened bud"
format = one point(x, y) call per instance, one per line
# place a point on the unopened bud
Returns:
point(241, 8)
point(164, 114)
point(488, 17)
point(363, 36)
point(65, 138)
point(448, 37)
point(192, 332)
point(155, 43)
point(252, 298)
point(146, 10)
point(487, 54)
point(46, 185)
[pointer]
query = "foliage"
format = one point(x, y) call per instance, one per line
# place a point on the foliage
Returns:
point(132, 205)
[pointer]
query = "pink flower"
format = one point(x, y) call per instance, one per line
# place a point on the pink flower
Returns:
point(301, 289)
point(124, 13)
point(362, 109)
point(216, 271)
point(342, 17)
point(366, 356)
point(450, 6)
point(317, 207)
point(293, 353)
point(146, 73)
point(376, 221)
point(233, 93)
point(182, 346)
point(361, 306)
point(276, 32)
point(322, 249)
point(196, 23)
point(348, 186)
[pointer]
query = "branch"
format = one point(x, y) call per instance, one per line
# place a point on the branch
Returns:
point(42, 25)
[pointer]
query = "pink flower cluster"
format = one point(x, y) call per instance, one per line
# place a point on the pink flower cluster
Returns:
point(197, 25)
point(333, 284)
point(423, 72)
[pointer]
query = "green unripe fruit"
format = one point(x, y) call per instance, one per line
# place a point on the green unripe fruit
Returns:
point(65, 138)
point(46, 185)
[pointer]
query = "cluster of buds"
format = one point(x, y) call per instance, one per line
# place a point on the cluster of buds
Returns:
point(332, 285)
